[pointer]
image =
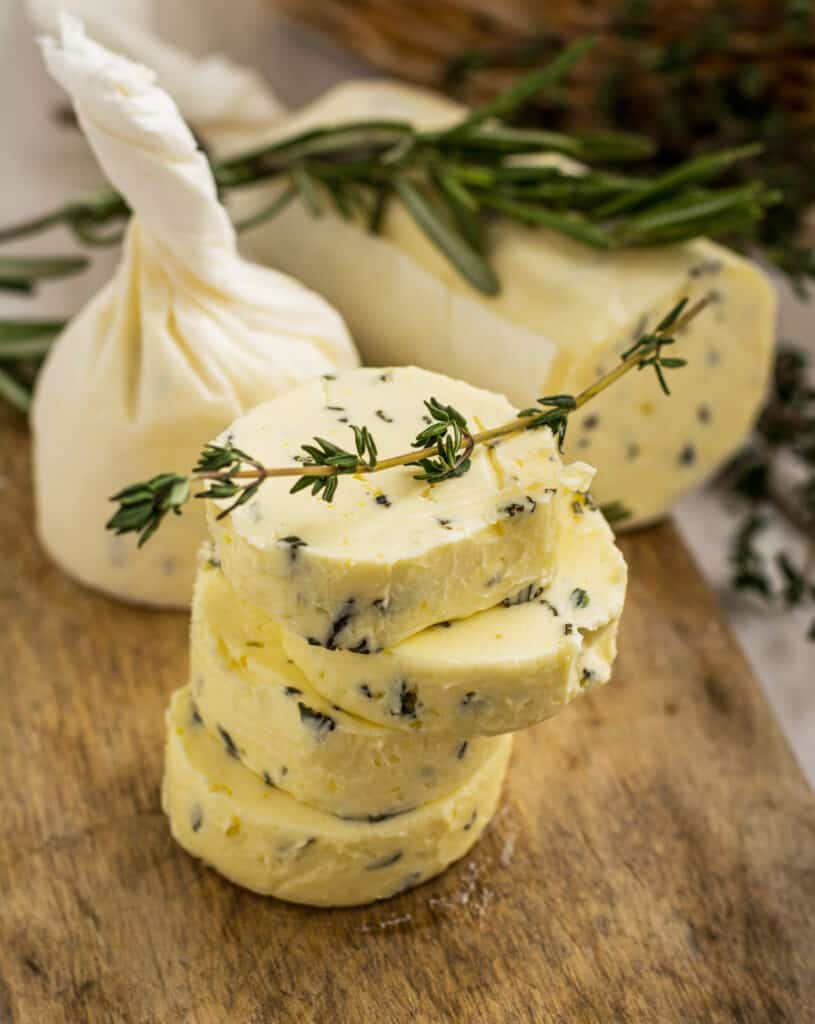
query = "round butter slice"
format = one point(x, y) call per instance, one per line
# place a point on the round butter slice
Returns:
point(264, 712)
point(265, 840)
point(502, 669)
point(391, 554)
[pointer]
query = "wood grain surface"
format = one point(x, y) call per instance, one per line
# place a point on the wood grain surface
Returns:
point(653, 860)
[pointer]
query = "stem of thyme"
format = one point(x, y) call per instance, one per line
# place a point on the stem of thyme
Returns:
point(637, 358)
point(442, 450)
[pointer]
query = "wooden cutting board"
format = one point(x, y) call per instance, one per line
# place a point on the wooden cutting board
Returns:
point(653, 860)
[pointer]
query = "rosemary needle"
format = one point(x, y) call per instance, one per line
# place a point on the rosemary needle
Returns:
point(455, 246)
point(571, 225)
point(14, 392)
point(267, 212)
point(507, 102)
point(21, 273)
point(691, 172)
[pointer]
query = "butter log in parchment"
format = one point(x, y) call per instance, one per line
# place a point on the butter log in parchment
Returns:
point(185, 337)
point(564, 315)
point(264, 839)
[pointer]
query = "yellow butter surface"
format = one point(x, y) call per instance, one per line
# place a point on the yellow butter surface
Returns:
point(390, 554)
point(504, 668)
point(265, 840)
point(265, 713)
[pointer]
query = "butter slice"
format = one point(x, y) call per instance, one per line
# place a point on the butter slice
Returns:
point(501, 669)
point(265, 713)
point(390, 555)
point(564, 314)
point(265, 840)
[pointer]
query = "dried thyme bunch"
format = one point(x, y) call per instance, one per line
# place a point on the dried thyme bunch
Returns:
point(441, 451)
point(774, 475)
point(456, 182)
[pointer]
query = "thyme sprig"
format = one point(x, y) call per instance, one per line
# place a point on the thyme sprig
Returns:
point(218, 465)
point(651, 345)
point(143, 506)
point(442, 450)
point(326, 453)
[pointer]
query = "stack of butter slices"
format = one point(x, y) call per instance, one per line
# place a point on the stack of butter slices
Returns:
point(358, 666)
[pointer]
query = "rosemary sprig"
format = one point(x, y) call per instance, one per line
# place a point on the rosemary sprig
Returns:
point(27, 339)
point(23, 273)
point(82, 216)
point(23, 346)
point(14, 391)
point(692, 94)
point(455, 181)
point(442, 450)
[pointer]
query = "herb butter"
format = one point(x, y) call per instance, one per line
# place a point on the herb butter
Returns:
point(261, 838)
point(266, 714)
point(184, 338)
point(389, 555)
point(504, 668)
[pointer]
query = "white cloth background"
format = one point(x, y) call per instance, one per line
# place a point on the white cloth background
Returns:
point(44, 161)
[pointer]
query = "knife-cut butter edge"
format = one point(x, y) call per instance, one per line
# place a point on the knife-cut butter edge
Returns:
point(266, 841)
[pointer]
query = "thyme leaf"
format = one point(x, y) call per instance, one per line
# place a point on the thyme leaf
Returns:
point(454, 444)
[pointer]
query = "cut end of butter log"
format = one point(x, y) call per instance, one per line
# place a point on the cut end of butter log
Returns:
point(263, 839)
point(390, 555)
point(564, 315)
